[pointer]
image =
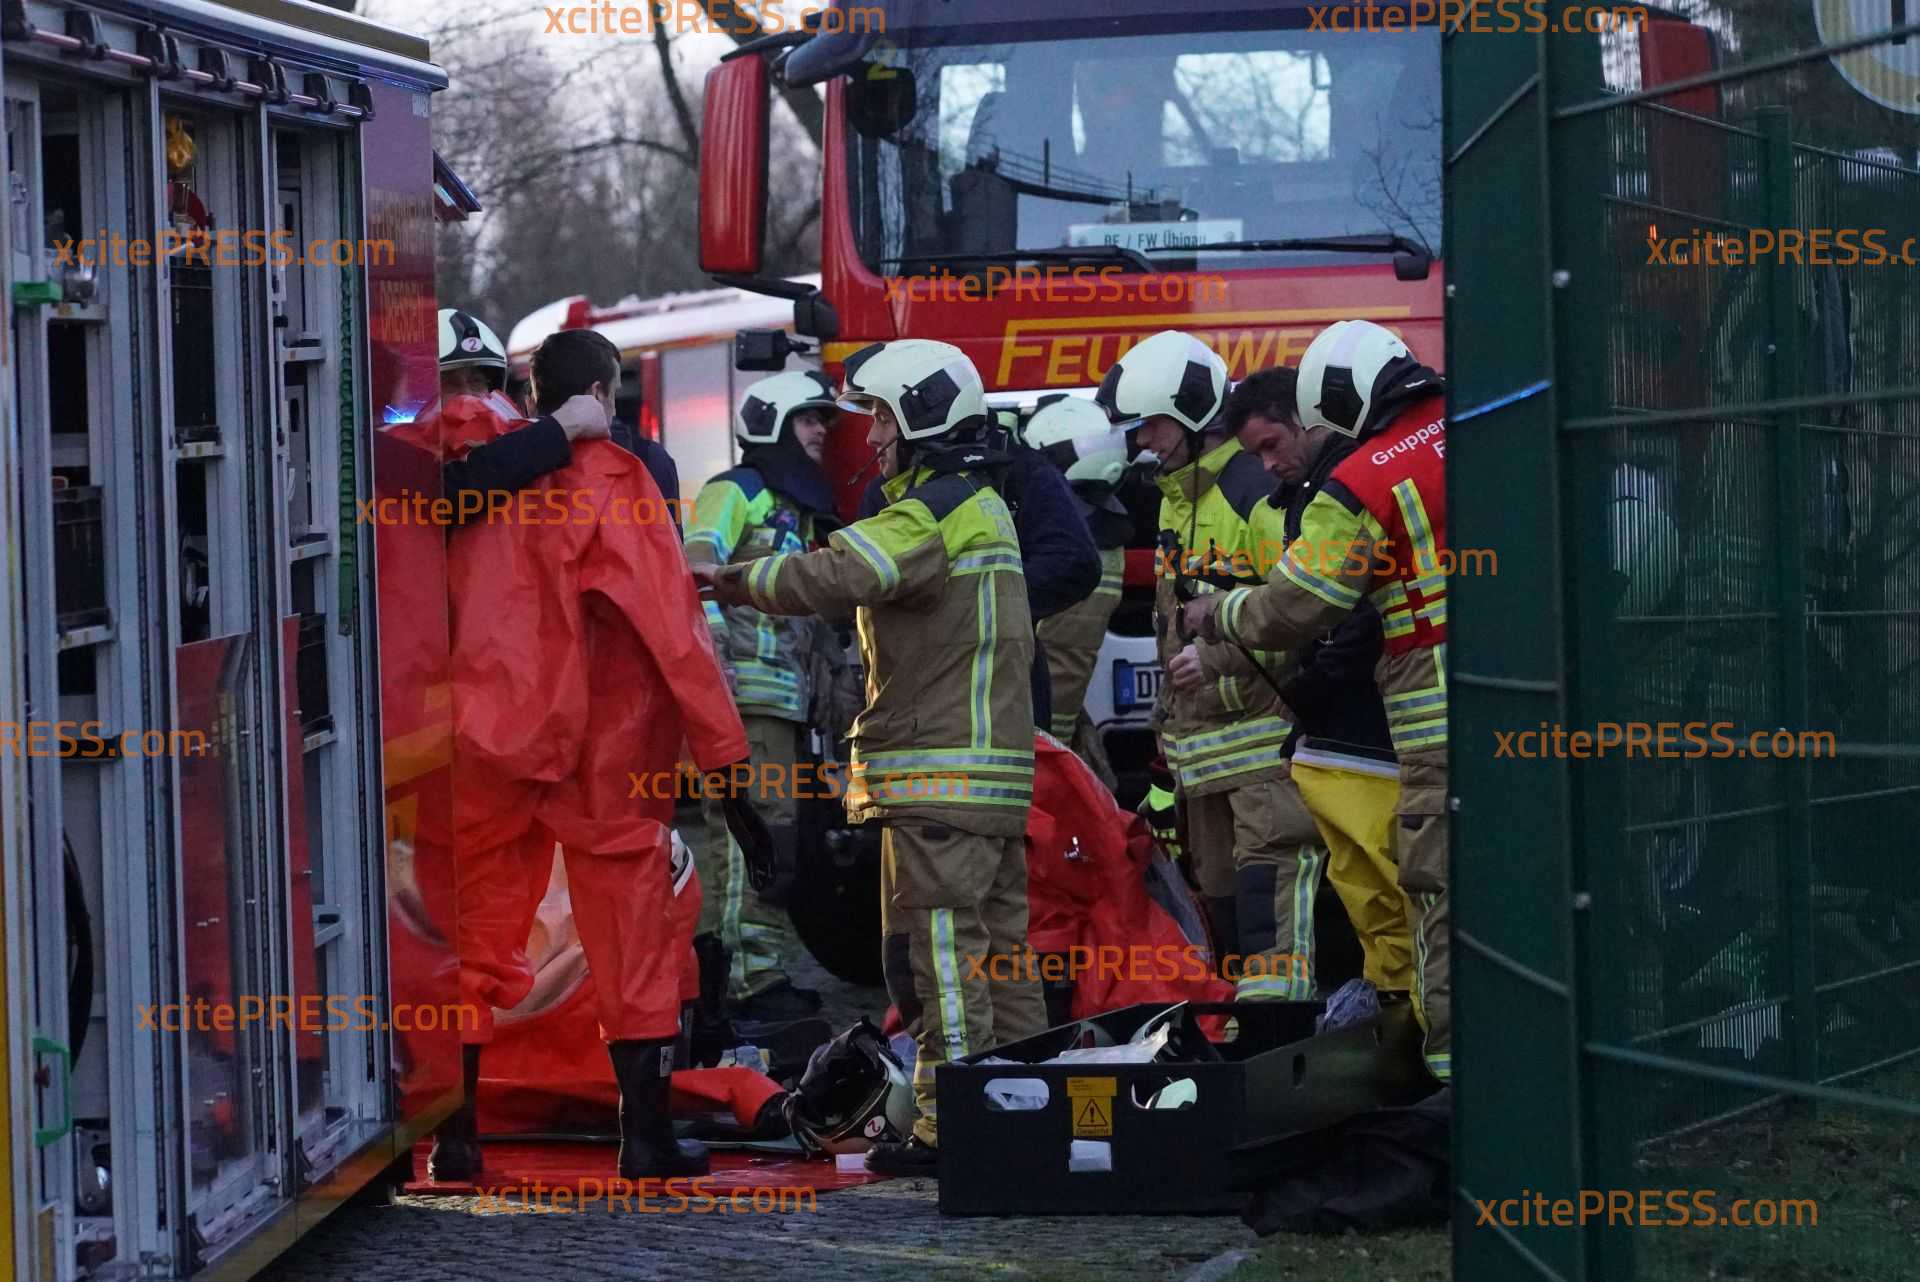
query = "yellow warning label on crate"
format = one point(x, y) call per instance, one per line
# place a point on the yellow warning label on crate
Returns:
point(1092, 1101)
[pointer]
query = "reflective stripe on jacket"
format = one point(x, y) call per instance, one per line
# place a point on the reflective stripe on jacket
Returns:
point(1378, 528)
point(947, 733)
point(1229, 731)
point(737, 518)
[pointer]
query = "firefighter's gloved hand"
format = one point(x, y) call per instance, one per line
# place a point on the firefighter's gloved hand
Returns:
point(726, 584)
point(749, 832)
point(1160, 808)
point(1196, 617)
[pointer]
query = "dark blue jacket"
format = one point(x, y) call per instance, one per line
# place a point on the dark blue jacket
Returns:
point(524, 455)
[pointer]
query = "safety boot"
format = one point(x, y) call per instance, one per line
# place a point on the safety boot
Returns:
point(648, 1149)
point(911, 1156)
point(713, 1032)
point(455, 1158)
point(1223, 917)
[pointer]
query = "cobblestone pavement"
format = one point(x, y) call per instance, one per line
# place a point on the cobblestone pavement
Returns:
point(891, 1230)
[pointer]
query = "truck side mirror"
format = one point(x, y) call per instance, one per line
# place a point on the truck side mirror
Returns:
point(765, 350)
point(733, 167)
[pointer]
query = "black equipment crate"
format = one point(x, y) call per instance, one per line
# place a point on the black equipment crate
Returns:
point(1276, 1077)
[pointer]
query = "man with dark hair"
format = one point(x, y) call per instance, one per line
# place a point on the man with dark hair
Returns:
point(1342, 753)
point(574, 362)
point(1375, 533)
point(587, 359)
point(517, 459)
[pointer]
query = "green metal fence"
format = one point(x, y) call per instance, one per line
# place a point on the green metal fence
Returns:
point(1703, 482)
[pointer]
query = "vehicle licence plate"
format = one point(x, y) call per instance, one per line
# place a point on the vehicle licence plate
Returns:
point(1134, 684)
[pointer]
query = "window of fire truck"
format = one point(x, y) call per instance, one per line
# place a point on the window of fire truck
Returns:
point(1151, 141)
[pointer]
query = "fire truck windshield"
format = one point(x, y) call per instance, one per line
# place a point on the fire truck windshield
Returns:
point(1153, 142)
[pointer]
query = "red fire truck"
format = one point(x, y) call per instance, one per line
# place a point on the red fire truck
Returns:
point(224, 741)
point(1046, 189)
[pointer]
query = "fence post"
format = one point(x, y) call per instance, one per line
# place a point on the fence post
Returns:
point(1783, 380)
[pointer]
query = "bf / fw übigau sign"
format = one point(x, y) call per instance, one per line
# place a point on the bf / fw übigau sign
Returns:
point(1888, 72)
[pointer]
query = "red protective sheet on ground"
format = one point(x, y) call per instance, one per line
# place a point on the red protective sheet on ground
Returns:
point(1086, 892)
point(529, 1170)
point(547, 1068)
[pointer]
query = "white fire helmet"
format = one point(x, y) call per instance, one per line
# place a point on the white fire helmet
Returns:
point(466, 341)
point(932, 388)
point(1344, 372)
point(769, 403)
point(1171, 373)
point(1077, 439)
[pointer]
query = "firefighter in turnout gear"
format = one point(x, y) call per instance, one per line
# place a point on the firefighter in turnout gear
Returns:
point(1341, 750)
point(1074, 436)
point(942, 754)
point(1255, 850)
point(1384, 509)
point(771, 503)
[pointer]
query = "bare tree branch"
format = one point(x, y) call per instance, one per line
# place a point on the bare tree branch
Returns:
point(803, 102)
point(688, 129)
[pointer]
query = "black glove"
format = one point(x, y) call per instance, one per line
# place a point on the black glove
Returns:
point(749, 831)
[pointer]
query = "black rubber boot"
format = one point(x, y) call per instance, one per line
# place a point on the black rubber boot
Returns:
point(713, 1033)
point(455, 1158)
point(648, 1149)
point(771, 1121)
point(911, 1156)
point(1223, 915)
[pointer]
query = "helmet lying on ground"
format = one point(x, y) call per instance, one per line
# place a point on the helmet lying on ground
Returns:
point(854, 1094)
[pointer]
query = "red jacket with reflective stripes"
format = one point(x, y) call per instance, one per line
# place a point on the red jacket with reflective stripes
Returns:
point(1399, 476)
